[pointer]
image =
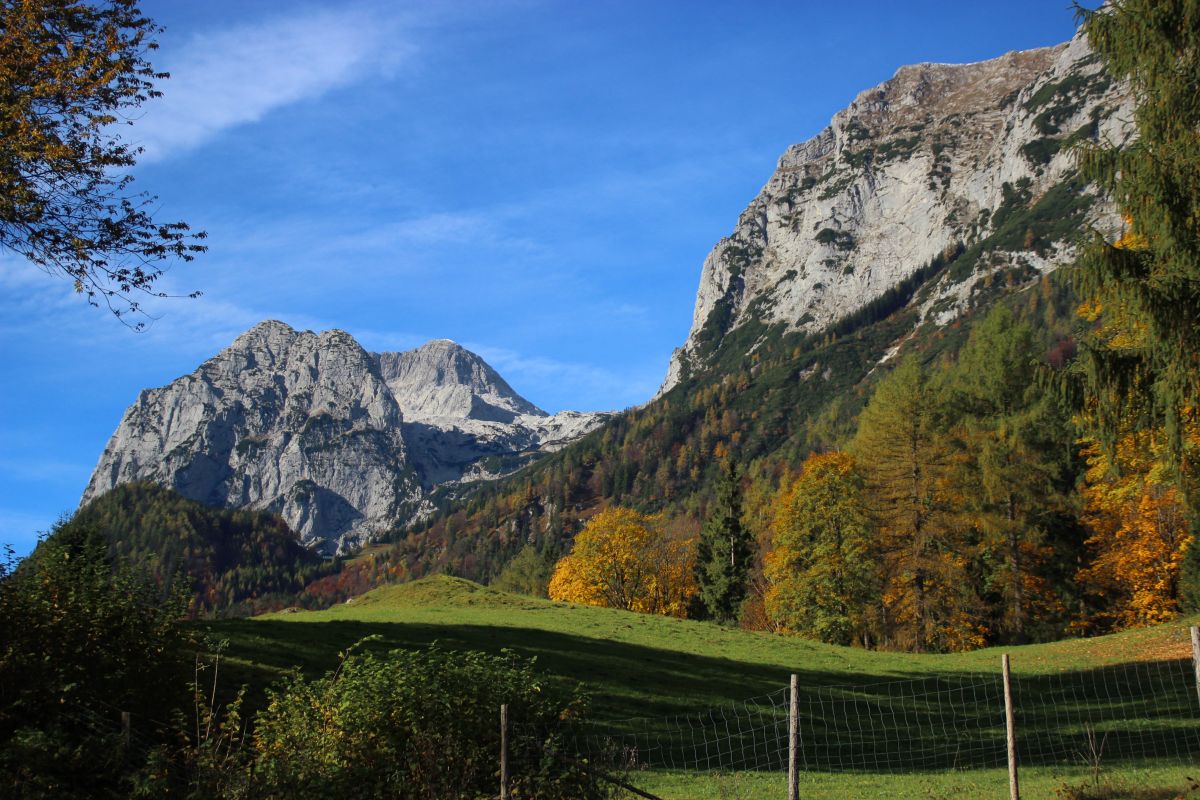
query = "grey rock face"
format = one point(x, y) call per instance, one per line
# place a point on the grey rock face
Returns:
point(911, 167)
point(297, 423)
point(313, 427)
point(464, 422)
point(442, 380)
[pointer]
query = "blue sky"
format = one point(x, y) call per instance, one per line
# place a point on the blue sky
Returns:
point(539, 181)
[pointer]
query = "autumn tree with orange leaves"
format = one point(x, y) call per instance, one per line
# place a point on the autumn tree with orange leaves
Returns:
point(628, 560)
point(1139, 526)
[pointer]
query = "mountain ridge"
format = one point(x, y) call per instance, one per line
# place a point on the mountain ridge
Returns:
point(307, 425)
point(918, 204)
point(910, 169)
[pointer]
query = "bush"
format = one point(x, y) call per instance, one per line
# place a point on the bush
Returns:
point(80, 641)
point(416, 725)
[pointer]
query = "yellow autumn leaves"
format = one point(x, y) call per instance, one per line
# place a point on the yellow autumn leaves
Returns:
point(1139, 528)
point(628, 560)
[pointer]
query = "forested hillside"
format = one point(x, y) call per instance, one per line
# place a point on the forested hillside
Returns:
point(796, 395)
point(229, 562)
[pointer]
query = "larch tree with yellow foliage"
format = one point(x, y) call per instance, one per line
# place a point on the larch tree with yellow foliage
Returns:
point(821, 573)
point(928, 601)
point(628, 560)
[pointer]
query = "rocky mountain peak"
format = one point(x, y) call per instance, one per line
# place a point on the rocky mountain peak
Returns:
point(341, 442)
point(441, 380)
point(940, 159)
point(292, 422)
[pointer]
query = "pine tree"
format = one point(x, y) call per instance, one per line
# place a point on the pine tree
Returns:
point(528, 572)
point(724, 552)
point(1145, 287)
point(1141, 360)
point(1009, 432)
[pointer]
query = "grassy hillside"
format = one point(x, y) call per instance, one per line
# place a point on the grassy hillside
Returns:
point(639, 666)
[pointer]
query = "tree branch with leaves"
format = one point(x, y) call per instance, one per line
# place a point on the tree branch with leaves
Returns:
point(71, 73)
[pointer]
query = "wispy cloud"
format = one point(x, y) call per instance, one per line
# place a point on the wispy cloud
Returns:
point(45, 310)
point(487, 228)
point(236, 76)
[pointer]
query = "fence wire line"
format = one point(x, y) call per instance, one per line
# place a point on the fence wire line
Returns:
point(1130, 712)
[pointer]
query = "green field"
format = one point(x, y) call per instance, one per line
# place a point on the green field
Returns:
point(877, 724)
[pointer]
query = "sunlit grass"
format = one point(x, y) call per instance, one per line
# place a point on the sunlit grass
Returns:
point(646, 666)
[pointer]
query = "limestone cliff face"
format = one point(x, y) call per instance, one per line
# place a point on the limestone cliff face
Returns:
point(341, 442)
point(443, 380)
point(916, 165)
point(293, 422)
point(464, 422)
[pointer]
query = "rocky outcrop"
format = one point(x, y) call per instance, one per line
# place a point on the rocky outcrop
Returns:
point(342, 443)
point(922, 163)
point(293, 422)
point(464, 421)
point(441, 380)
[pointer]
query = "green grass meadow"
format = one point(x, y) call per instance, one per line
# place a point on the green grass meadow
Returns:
point(858, 706)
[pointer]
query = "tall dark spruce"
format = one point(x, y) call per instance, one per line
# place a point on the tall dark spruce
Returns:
point(1141, 366)
point(725, 552)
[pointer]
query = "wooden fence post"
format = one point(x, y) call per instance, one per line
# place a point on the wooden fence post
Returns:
point(1013, 788)
point(1196, 657)
point(504, 752)
point(794, 740)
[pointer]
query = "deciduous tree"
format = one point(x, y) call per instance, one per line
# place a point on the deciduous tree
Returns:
point(1010, 433)
point(822, 572)
point(626, 559)
point(927, 601)
point(1139, 532)
point(71, 74)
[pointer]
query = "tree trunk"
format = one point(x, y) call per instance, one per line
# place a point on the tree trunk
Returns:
point(1018, 586)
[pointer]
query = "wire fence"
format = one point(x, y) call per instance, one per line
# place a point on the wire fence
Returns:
point(1134, 712)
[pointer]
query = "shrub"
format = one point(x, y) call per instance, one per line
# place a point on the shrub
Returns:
point(80, 641)
point(416, 725)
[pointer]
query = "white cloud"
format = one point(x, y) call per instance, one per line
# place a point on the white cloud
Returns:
point(236, 76)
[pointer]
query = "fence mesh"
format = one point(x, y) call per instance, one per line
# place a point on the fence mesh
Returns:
point(1142, 711)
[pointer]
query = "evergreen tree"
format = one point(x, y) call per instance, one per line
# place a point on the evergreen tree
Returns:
point(724, 552)
point(1142, 357)
point(528, 572)
point(1010, 434)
